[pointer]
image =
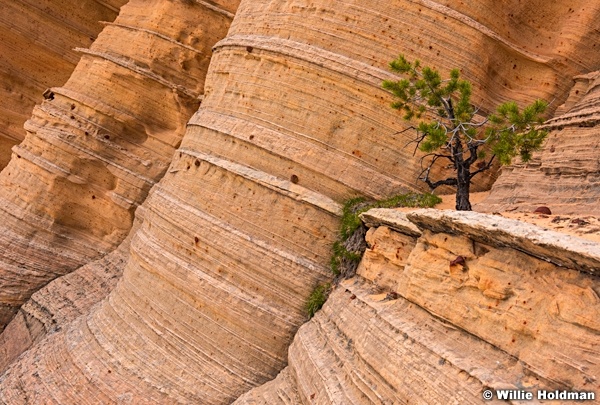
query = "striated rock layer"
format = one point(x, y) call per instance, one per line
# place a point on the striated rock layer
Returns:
point(63, 300)
point(96, 145)
point(418, 326)
point(566, 173)
point(238, 232)
point(36, 43)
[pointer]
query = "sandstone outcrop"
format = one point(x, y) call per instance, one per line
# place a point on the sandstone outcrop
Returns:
point(566, 173)
point(238, 232)
point(414, 326)
point(96, 145)
point(36, 43)
point(63, 300)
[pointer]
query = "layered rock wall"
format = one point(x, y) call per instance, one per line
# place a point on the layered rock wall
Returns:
point(416, 325)
point(54, 306)
point(239, 231)
point(36, 43)
point(97, 144)
point(566, 173)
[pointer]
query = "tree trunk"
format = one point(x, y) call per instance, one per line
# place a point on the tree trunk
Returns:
point(463, 189)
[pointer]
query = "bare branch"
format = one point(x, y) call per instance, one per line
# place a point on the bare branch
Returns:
point(418, 141)
point(424, 175)
point(436, 156)
point(472, 154)
point(487, 166)
point(447, 182)
point(476, 124)
point(404, 130)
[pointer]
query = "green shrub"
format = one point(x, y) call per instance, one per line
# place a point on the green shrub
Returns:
point(348, 249)
point(316, 299)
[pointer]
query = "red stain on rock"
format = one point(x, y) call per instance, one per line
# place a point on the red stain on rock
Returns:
point(392, 295)
point(458, 261)
point(542, 210)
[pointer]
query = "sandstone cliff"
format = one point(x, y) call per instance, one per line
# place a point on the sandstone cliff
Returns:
point(60, 302)
point(36, 43)
point(566, 172)
point(415, 326)
point(96, 145)
point(238, 232)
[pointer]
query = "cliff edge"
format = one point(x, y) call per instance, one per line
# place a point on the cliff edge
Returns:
point(475, 302)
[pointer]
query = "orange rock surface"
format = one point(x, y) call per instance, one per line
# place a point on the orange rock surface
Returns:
point(36, 43)
point(416, 327)
point(97, 144)
point(238, 232)
point(564, 176)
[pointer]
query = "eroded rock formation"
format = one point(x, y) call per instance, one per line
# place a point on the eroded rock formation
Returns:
point(399, 331)
point(566, 173)
point(238, 232)
point(96, 145)
point(63, 300)
point(36, 43)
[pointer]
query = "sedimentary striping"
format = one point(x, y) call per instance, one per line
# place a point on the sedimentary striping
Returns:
point(565, 172)
point(238, 231)
point(398, 332)
point(97, 144)
point(37, 41)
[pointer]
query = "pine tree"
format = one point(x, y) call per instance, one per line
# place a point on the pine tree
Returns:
point(451, 129)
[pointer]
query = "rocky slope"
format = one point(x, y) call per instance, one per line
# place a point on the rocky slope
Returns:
point(566, 172)
point(97, 144)
point(36, 43)
point(419, 326)
point(239, 230)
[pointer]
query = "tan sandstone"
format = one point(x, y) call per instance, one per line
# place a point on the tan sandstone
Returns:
point(412, 327)
point(36, 43)
point(239, 231)
point(96, 145)
point(63, 300)
point(565, 175)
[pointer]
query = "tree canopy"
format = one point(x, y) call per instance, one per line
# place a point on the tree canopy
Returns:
point(450, 128)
